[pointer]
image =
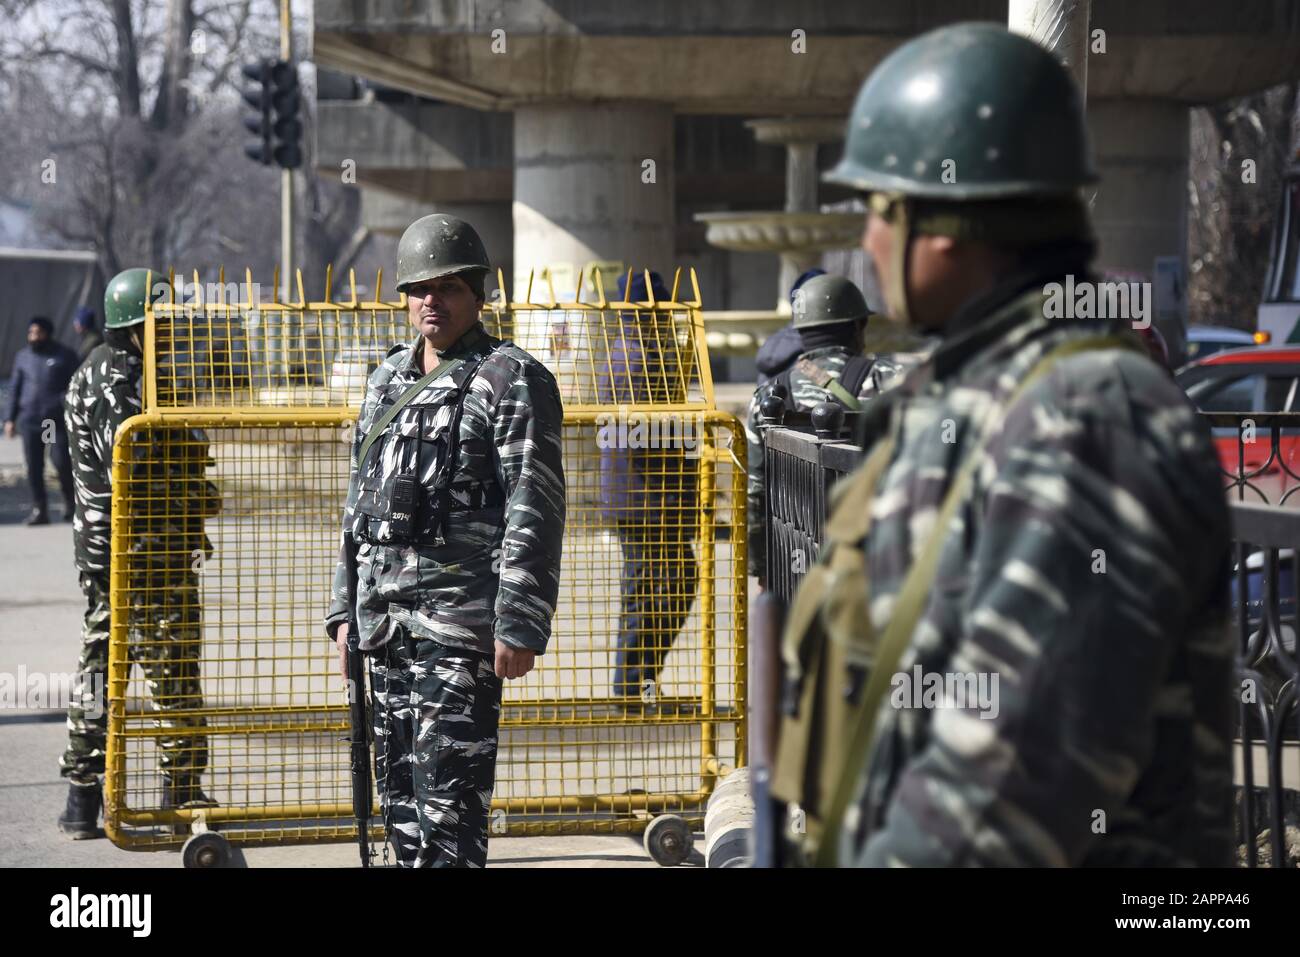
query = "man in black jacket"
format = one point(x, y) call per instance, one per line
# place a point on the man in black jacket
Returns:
point(40, 377)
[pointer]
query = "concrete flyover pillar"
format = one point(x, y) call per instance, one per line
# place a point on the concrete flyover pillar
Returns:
point(583, 190)
point(1140, 211)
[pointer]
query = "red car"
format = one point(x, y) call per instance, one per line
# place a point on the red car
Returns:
point(1259, 380)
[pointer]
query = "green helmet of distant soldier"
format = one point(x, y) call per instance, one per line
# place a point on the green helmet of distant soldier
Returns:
point(441, 245)
point(973, 132)
point(827, 300)
point(127, 294)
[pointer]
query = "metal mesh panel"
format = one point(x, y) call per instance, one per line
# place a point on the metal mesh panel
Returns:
point(220, 347)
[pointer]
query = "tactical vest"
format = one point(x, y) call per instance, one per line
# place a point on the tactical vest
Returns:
point(845, 388)
point(837, 670)
point(394, 504)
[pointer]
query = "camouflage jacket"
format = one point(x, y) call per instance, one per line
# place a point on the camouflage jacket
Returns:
point(805, 393)
point(1086, 573)
point(169, 473)
point(103, 394)
point(491, 571)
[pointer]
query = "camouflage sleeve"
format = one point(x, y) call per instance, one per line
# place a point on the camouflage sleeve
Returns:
point(528, 437)
point(337, 613)
point(91, 478)
point(1099, 541)
point(886, 372)
point(755, 493)
point(91, 488)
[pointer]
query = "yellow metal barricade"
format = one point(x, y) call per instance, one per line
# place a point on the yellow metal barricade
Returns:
point(227, 497)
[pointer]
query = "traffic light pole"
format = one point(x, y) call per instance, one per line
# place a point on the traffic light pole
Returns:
point(286, 175)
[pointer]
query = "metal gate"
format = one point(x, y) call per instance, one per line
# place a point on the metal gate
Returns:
point(227, 498)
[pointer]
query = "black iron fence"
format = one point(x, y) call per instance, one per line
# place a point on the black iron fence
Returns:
point(1255, 457)
point(800, 472)
point(1259, 454)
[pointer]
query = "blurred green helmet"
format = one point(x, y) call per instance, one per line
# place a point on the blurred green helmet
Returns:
point(826, 300)
point(973, 132)
point(127, 293)
point(967, 112)
point(438, 245)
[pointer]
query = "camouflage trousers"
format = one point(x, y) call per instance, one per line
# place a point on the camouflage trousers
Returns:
point(164, 641)
point(660, 576)
point(435, 718)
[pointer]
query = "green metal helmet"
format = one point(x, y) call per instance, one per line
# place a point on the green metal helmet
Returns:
point(826, 300)
point(438, 245)
point(967, 112)
point(127, 292)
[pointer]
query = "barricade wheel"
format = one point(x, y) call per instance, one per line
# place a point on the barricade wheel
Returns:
point(207, 849)
point(668, 840)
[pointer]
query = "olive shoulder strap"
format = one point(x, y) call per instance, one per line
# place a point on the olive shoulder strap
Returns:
point(377, 429)
point(912, 599)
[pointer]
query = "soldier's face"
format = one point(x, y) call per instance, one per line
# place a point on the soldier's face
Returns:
point(942, 274)
point(442, 310)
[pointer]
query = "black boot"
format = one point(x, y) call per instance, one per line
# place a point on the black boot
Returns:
point(39, 516)
point(69, 509)
point(79, 819)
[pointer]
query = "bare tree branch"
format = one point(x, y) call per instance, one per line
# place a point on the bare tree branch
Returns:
point(128, 63)
point(172, 103)
point(81, 59)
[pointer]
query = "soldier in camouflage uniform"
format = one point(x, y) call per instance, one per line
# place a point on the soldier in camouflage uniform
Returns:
point(163, 625)
point(829, 316)
point(456, 504)
point(1040, 505)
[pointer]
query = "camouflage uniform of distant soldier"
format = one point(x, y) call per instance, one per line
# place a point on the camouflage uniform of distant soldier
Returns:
point(1080, 557)
point(163, 626)
point(456, 590)
point(829, 315)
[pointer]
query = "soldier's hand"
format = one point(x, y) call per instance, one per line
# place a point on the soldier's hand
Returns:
point(341, 639)
point(512, 662)
point(10, 431)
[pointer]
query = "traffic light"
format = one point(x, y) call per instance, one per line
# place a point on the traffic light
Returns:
point(286, 130)
point(258, 96)
point(275, 98)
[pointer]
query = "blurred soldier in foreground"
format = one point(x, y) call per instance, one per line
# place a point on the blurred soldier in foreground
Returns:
point(1012, 650)
point(40, 377)
point(829, 316)
point(456, 509)
point(163, 623)
point(649, 493)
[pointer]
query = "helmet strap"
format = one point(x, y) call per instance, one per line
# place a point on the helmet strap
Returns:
point(896, 283)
